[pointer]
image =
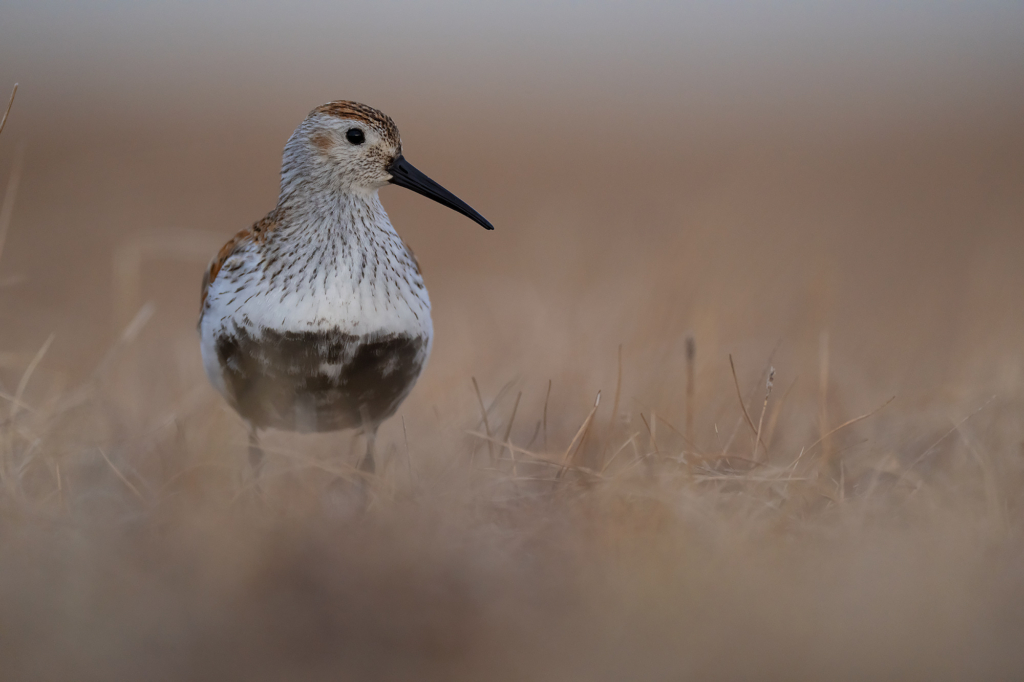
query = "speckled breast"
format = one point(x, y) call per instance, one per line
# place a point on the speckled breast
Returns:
point(318, 380)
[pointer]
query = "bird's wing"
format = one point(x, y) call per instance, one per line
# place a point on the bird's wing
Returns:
point(257, 233)
point(218, 262)
point(412, 257)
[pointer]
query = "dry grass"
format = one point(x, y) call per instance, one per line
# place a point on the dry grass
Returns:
point(143, 549)
point(776, 517)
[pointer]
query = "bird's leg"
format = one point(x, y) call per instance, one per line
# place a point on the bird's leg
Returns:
point(367, 465)
point(255, 453)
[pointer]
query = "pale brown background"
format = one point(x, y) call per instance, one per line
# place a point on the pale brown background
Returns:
point(860, 165)
point(842, 183)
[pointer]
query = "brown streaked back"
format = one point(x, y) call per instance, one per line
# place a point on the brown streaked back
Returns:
point(257, 233)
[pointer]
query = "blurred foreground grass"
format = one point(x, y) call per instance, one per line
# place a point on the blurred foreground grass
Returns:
point(888, 548)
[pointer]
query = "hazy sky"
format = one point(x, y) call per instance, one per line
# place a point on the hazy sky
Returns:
point(234, 49)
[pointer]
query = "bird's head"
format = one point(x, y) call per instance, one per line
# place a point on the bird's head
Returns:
point(350, 147)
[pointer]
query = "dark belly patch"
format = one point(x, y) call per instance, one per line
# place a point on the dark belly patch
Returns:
point(318, 381)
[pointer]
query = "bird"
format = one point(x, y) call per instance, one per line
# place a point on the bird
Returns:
point(316, 318)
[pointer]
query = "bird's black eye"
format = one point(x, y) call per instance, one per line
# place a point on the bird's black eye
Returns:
point(355, 136)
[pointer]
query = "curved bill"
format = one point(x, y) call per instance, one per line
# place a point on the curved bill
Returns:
point(404, 174)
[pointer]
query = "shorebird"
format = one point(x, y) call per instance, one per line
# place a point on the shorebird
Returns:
point(316, 318)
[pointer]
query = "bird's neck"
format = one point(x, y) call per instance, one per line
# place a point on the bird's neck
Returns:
point(313, 214)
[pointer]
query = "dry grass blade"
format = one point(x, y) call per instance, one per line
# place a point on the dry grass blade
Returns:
point(7, 208)
point(752, 479)
point(739, 395)
point(500, 395)
point(9, 105)
point(483, 413)
point(650, 432)
point(848, 423)
point(764, 407)
point(943, 437)
point(691, 356)
point(508, 431)
point(777, 412)
point(133, 255)
point(512, 419)
point(11, 399)
point(577, 440)
point(130, 333)
point(121, 476)
point(408, 455)
point(622, 447)
point(679, 433)
point(993, 498)
point(547, 397)
point(615, 402)
point(536, 458)
point(823, 367)
point(23, 384)
point(83, 393)
point(60, 486)
point(536, 432)
point(523, 451)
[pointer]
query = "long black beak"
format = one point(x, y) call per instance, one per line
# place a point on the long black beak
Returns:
point(404, 174)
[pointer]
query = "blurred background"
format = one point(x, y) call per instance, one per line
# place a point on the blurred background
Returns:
point(779, 167)
point(836, 189)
